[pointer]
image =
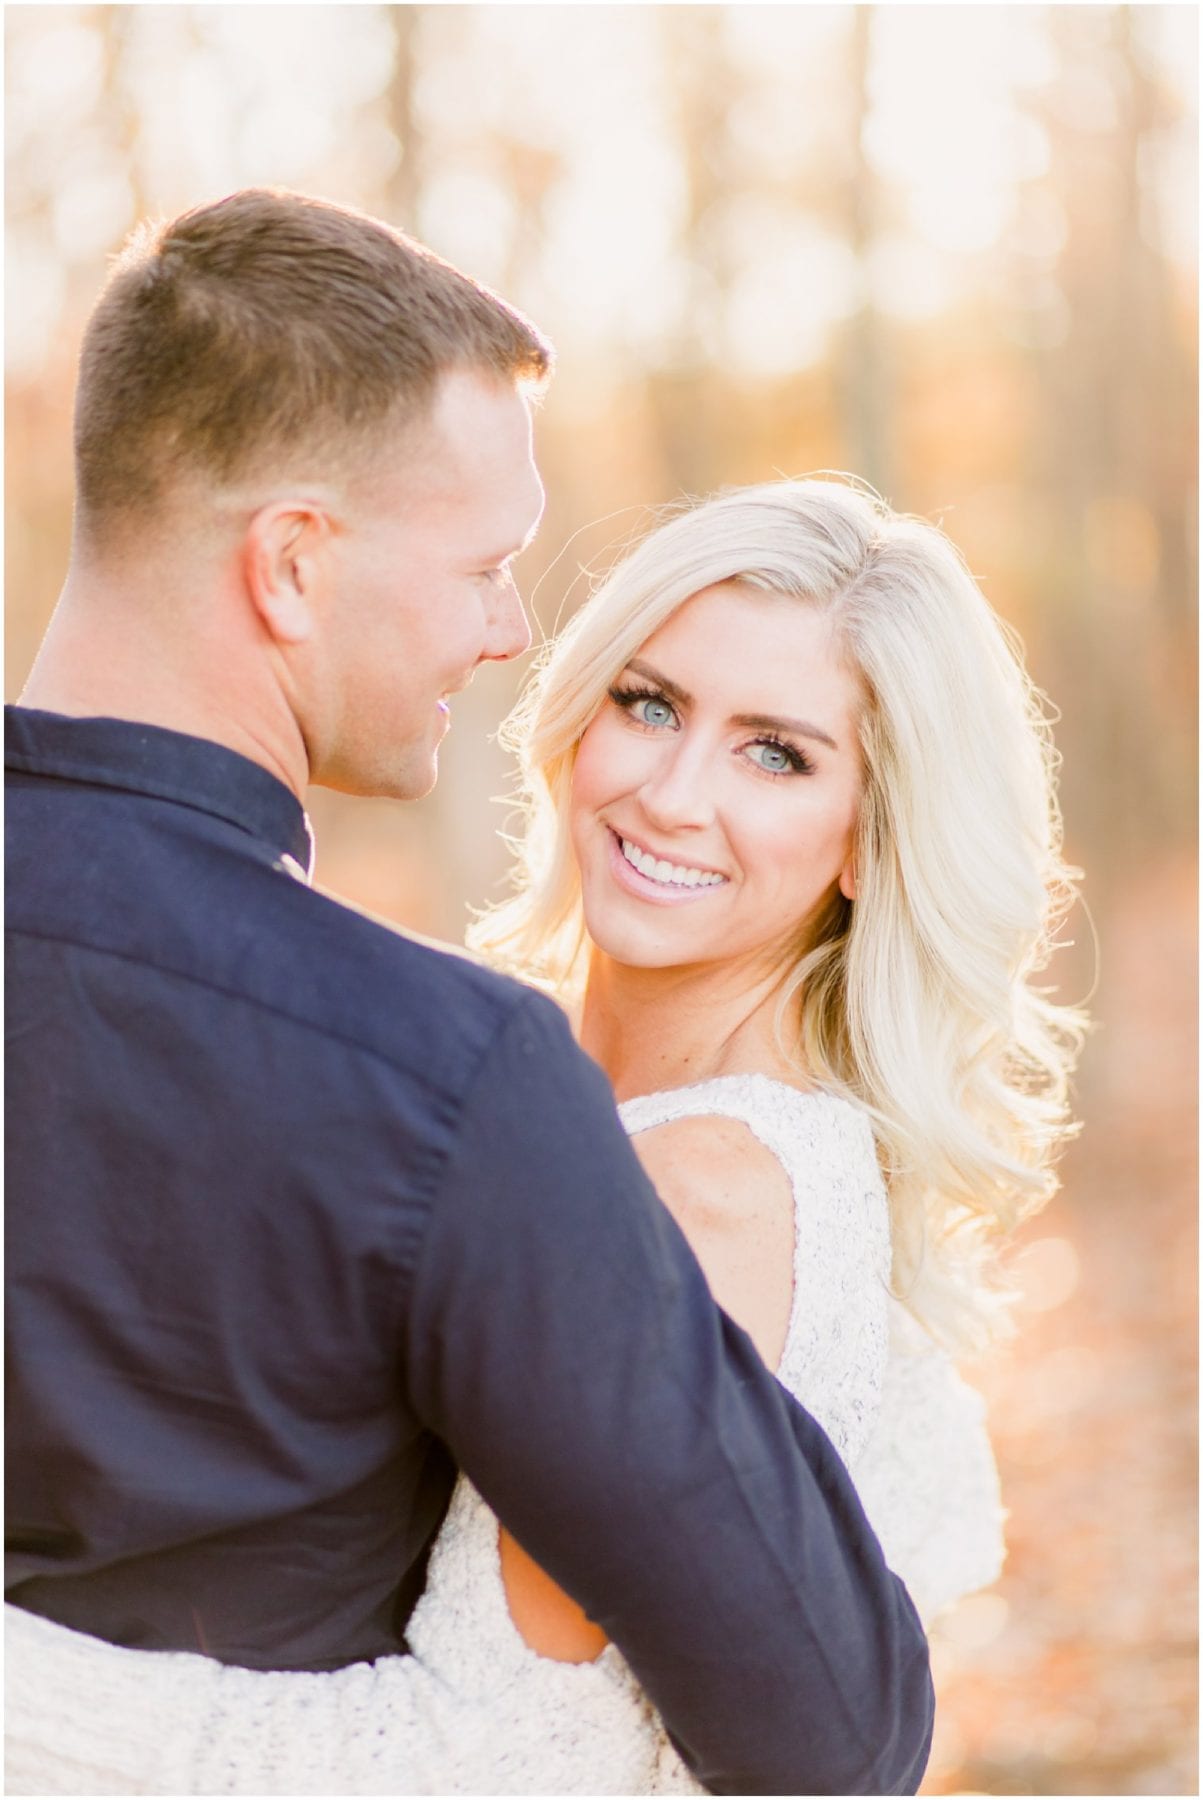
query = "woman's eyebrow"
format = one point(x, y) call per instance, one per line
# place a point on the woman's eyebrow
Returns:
point(794, 727)
point(670, 687)
point(746, 721)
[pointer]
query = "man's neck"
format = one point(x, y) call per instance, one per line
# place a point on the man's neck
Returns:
point(100, 661)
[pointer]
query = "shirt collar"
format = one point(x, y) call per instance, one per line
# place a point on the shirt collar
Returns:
point(146, 759)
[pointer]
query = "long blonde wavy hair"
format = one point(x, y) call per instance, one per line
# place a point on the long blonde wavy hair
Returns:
point(915, 1000)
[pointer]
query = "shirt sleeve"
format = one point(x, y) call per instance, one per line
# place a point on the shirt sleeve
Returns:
point(564, 1345)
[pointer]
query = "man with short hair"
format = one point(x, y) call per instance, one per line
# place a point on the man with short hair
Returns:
point(302, 1214)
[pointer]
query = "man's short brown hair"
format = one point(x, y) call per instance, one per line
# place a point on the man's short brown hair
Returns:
point(266, 326)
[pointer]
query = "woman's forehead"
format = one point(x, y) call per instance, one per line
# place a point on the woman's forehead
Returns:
point(755, 648)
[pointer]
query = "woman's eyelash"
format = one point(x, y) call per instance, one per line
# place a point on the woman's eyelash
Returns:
point(799, 762)
point(626, 696)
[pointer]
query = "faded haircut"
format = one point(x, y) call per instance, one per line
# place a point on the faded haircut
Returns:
point(267, 328)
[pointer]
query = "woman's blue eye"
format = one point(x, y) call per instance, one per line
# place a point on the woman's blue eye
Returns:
point(777, 759)
point(653, 712)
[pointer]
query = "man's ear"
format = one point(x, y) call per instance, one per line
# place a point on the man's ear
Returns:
point(284, 557)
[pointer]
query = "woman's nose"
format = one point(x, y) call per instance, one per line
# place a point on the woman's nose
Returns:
point(678, 794)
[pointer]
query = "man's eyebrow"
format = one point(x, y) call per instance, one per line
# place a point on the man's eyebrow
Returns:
point(746, 721)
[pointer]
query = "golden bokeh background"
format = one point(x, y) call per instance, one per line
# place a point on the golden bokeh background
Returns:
point(949, 248)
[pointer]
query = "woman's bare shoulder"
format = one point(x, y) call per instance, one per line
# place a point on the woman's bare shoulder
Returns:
point(735, 1203)
point(713, 1169)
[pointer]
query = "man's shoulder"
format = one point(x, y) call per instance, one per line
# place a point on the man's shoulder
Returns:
point(199, 911)
point(328, 968)
point(431, 1016)
point(390, 985)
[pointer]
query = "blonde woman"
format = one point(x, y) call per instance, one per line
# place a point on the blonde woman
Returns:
point(797, 869)
point(791, 860)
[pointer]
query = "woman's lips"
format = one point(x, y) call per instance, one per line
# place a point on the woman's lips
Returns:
point(643, 887)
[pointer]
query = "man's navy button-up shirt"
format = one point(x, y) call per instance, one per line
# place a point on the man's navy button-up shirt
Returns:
point(302, 1214)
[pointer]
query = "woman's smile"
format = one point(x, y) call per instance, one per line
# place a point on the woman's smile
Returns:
point(655, 878)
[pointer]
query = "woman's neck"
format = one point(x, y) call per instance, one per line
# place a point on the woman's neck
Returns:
point(652, 1029)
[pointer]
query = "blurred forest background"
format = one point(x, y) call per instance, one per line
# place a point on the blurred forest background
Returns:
point(949, 248)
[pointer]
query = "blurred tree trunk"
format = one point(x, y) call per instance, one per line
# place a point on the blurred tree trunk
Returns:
point(862, 372)
point(117, 26)
point(404, 187)
point(1115, 475)
point(688, 404)
point(702, 93)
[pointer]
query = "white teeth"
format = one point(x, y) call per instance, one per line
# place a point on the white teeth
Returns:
point(674, 874)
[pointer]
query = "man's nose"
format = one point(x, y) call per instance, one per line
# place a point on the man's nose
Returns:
point(509, 632)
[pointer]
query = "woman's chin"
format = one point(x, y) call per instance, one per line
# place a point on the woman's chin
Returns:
point(639, 943)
